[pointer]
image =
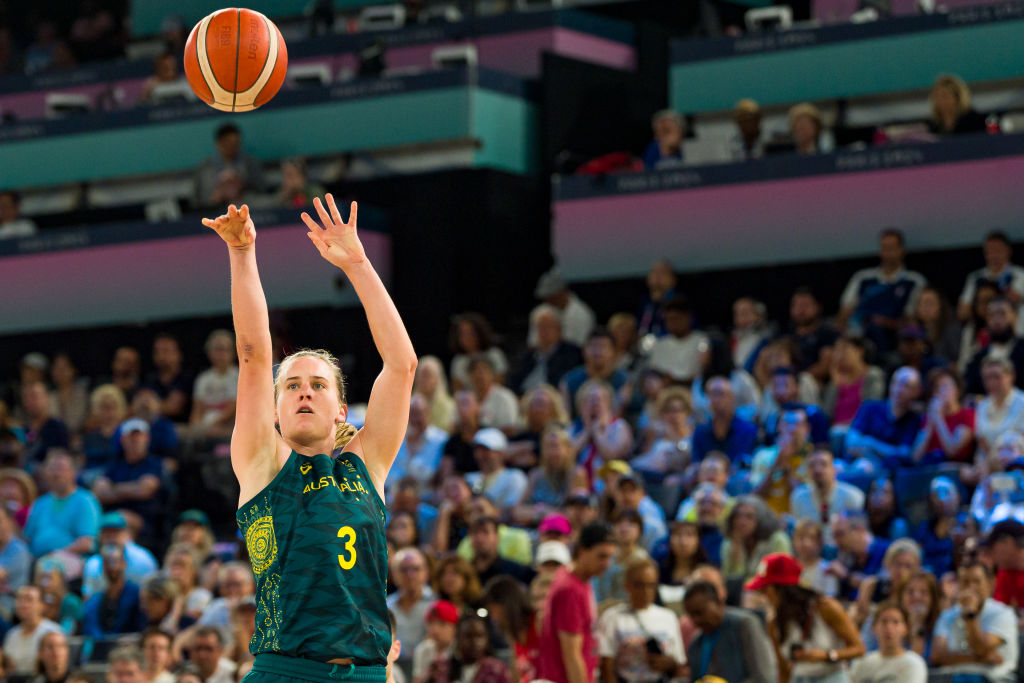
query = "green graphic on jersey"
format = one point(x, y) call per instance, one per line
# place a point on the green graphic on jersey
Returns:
point(315, 537)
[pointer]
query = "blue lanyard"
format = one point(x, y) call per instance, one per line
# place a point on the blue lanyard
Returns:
point(707, 645)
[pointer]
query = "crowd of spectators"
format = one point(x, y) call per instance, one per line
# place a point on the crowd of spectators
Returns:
point(807, 132)
point(830, 498)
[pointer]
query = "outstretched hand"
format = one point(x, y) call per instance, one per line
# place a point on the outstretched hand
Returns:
point(336, 240)
point(235, 227)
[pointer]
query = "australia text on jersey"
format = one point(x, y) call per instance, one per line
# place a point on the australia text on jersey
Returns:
point(344, 486)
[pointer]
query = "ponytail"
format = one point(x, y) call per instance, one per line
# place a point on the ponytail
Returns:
point(343, 434)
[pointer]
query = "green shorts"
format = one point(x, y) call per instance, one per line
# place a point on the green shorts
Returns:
point(270, 668)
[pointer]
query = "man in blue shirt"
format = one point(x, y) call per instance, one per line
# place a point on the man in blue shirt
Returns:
point(876, 300)
point(860, 552)
point(67, 518)
point(725, 431)
point(131, 482)
point(116, 610)
point(140, 562)
point(883, 432)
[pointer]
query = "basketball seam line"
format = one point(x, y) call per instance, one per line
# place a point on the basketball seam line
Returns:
point(265, 60)
point(238, 43)
point(213, 72)
point(202, 76)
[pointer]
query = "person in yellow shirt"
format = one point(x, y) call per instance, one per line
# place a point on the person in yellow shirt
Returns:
point(777, 470)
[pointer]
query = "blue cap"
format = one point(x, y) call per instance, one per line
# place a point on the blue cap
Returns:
point(113, 520)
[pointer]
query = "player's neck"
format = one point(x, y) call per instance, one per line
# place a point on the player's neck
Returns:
point(325, 447)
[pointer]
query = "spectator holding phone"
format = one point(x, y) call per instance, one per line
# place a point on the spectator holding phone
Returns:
point(638, 640)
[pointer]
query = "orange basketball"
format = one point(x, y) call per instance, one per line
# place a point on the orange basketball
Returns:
point(235, 59)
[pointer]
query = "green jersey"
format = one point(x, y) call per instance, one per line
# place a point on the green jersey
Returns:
point(315, 537)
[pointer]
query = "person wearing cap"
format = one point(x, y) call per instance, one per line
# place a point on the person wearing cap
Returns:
point(551, 556)
point(132, 482)
point(194, 529)
point(140, 562)
point(555, 527)
point(812, 634)
point(504, 486)
point(568, 648)
point(67, 518)
point(577, 318)
point(747, 142)
point(726, 431)
point(977, 635)
point(666, 149)
point(730, 643)
point(1005, 543)
point(42, 430)
point(638, 640)
point(877, 299)
point(882, 433)
point(117, 609)
point(441, 618)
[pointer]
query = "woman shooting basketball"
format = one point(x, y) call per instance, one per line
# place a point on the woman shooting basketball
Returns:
point(314, 522)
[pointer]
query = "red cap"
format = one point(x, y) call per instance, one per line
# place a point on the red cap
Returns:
point(777, 569)
point(443, 610)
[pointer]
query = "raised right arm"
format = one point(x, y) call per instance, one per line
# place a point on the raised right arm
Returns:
point(254, 442)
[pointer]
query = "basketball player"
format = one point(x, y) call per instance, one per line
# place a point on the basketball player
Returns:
point(313, 521)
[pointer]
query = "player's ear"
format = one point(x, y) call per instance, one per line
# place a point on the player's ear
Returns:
point(342, 413)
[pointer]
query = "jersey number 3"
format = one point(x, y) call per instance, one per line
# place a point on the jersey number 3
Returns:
point(349, 534)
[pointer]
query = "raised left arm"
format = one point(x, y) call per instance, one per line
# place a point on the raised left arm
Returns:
point(387, 413)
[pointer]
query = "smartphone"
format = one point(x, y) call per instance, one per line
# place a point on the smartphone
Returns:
point(653, 646)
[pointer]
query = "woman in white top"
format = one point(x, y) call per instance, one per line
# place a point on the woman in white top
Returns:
point(812, 634)
point(892, 663)
point(1002, 409)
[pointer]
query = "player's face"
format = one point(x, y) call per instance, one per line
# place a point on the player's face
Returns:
point(308, 405)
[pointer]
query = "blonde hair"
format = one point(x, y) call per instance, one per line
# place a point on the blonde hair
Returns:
point(563, 437)
point(108, 391)
point(673, 393)
point(805, 109)
point(561, 417)
point(344, 431)
point(590, 386)
point(442, 381)
point(955, 85)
